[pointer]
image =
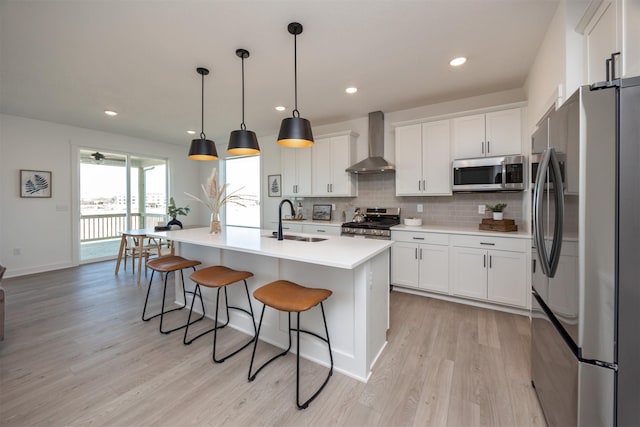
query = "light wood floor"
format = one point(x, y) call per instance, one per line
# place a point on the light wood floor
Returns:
point(77, 353)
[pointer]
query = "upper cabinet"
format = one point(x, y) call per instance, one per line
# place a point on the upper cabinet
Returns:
point(496, 133)
point(296, 171)
point(331, 156)
point(423, 159)
point(609, 27)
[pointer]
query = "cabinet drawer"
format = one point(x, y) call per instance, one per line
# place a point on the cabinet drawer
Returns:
point(321, 229)
point(490, 242)
point(419, 237)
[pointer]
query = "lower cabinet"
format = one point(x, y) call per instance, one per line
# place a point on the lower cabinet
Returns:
point(330, 230)
point(483, 268)
point(420, 265)
point(490, 274)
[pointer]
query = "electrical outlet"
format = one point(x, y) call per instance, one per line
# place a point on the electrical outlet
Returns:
point(482, 209)
point(333, 206)
point(420, 207)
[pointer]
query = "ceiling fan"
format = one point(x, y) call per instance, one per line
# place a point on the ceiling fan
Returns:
point(97, 156)
point(100, 158)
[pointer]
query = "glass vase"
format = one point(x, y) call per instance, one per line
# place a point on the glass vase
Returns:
point(215, 226)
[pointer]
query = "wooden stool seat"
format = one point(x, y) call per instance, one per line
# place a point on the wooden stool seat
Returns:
point(288, 296)
point(170, 263)
point(218, 276)
point(167, 264)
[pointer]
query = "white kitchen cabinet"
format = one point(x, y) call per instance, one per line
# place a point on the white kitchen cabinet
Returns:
point(495, 275)
point(331, 156)
point(420, 265)
point(496, 133)
point(330, 230)
point(613, 27)
point(423, 159)
point(296, 171)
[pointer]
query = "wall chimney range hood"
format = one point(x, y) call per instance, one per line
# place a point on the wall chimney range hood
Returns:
point(374, 163)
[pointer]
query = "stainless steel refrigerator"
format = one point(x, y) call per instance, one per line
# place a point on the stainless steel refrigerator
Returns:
point(585, 315)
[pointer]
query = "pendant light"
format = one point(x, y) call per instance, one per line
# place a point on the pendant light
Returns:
point(243, 142)
point(203, 148)
point(295, 131)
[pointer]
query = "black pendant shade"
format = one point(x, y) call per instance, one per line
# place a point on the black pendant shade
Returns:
point(295, 132)
point(243, 142)
point(203, 148)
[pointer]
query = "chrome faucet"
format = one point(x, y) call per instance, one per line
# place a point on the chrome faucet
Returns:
point(280, 216)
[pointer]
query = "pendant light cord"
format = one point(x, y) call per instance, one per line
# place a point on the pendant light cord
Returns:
point(202, 135)
point(242, 125)
point(296, 113)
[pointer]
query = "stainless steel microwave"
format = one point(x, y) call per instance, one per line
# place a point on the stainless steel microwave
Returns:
point(503, 173)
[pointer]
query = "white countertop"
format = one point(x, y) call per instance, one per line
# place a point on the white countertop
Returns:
point(425, 228)
point(335, 251)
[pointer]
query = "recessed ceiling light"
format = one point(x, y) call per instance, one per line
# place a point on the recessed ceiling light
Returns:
point(191, 132)
point(351, 89)
point(110, 113)
point(280, 108)
point(456, 62)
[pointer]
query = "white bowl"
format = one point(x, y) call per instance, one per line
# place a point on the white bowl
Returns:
point(413, 221)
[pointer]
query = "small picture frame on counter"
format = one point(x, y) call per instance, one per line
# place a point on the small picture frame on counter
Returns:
point(321, 213)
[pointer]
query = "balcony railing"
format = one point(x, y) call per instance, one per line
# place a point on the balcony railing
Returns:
point(104, 227)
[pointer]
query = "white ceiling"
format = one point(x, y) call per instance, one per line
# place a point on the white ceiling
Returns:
point(66, 61)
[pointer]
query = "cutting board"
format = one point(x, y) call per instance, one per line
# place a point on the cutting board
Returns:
point(489, 224)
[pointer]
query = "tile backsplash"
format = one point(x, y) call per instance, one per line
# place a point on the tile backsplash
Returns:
point(461, 209)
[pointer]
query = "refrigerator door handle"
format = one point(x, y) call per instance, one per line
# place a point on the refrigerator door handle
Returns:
point(556, 247)
point(538, 198)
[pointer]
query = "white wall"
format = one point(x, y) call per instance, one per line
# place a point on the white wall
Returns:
point(43, 229)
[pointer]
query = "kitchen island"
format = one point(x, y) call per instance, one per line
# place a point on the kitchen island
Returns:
point(355, 270)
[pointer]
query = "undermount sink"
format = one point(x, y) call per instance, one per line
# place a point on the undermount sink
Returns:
point(299, 238)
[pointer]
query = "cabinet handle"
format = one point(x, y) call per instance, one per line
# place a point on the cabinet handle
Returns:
point(484, 261)
point(534, 266)
point(321, 231)
point(418, 238)
point(487, 243)
point(488, 147)
point(419, 185)
point(424, 184)
point(482, 143)
point(327, 188)
point(416, 254)
point(331, 187)
point(490, 257)
point(420, 253)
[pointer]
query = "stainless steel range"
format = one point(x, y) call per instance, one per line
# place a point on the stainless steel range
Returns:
point(372, 223)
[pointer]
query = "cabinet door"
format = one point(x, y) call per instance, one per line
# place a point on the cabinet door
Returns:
point(342, 183)
point(303, 170)
point(506, 282)
point(409, 160)
point(436, 157)
point(468, 137)
point(321, 158)
point(434, 268)
point(601, 43)
point(504, 132)
point(469, 272)
point(404, 264)
point(289, 171)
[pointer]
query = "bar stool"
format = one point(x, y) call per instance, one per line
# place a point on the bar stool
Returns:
point(220, 277)
point(167, 264)
point(287, 296)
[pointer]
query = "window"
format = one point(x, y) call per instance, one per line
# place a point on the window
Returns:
point(243, 174)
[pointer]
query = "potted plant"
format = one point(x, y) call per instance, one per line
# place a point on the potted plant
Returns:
point(173, 211)
point(497, 210)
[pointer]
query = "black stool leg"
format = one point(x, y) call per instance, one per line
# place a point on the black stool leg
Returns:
point(249, 312)
point(298, 330)
point(184, 293)
point(144, 310)
point(251, 376)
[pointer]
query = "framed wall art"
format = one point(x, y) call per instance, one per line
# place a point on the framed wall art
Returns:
point(35, 183)
point(274, 182)
point(321, 212)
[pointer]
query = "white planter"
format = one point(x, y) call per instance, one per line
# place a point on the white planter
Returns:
point(497, 215)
